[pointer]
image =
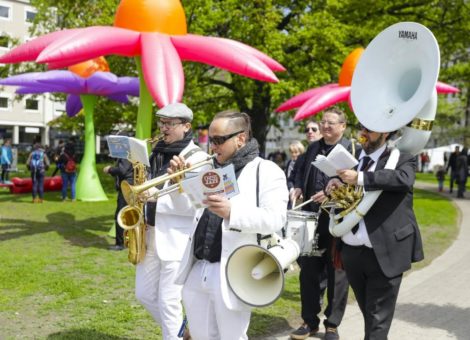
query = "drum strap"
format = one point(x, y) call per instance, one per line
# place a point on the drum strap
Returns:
point(259, 237)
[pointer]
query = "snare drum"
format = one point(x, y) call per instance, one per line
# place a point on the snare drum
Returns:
point(300, 227)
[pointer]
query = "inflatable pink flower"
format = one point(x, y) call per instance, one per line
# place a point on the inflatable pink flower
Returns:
point(153, 31)
point(83, 83)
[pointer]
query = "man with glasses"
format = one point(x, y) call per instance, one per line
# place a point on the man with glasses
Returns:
point(169, 222)
point(213, 311)
point(387, 240)
point(309, 183)
point(312, 134)
point(312, 131)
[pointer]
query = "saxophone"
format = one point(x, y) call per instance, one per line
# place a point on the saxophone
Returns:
point(131, 217)
point(134, 225)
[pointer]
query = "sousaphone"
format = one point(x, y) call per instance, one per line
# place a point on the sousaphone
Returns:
point(393, 88)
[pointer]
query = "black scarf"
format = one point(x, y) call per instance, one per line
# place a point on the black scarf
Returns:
point(162, 153)
point(208, 235)
point(242, 157)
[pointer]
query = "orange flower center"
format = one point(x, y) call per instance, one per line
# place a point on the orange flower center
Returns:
point(87, 68)
point(164, 16)
point(349, 65)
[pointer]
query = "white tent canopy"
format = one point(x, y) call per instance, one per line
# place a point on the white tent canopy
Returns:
point(436, 155)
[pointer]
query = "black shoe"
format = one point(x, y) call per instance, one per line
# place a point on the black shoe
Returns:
point(116, 247)
point(303, 332)
point(331, 333)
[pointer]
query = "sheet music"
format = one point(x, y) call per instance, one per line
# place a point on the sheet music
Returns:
point(128, 147)
point(338, 159)
point(221, 181)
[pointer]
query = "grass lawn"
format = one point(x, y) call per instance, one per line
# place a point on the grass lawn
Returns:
point(58, 280)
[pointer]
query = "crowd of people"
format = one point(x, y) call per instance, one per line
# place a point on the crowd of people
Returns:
point(187, 249)
point(38, 163)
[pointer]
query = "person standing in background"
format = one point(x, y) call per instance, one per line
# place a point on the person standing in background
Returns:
point(462, 171)
point(122, 171)
point(441, 176)
point(452, 165)
point(309, 184)
point(57, 153)
point(6, 158)
point(37, 163)
point(68, 170)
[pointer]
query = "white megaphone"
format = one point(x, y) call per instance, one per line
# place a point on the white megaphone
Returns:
point(394, 83)
point(256, 274)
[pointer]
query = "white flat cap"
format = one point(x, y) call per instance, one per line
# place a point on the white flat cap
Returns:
point(176, 110)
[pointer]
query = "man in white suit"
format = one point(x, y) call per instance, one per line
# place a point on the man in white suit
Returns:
point(213, 311)
point(169, 223)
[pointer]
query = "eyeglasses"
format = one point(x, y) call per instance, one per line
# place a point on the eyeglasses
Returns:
point(169, 124)
point(327, 122)
point(308, 129)
point(219, 140)
point(362, 127)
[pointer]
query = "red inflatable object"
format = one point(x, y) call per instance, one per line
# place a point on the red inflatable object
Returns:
point(25, 185)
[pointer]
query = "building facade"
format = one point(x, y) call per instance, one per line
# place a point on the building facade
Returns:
point(23, 120)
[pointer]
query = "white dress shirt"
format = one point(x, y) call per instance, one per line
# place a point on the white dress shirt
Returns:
point(361, 237)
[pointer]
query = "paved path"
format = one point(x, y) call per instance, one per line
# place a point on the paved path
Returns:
point(434, 302)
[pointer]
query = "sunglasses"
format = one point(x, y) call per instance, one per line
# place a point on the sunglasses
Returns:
point(362, 127)
point(313, 129)
point(219, 140)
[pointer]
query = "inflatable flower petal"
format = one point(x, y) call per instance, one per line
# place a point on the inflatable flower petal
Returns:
point(154, 30)
point(99, 83)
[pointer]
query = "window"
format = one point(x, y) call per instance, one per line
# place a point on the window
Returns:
point(5, 12)
point(4, 103)
point(32, 104)
point(29, 15)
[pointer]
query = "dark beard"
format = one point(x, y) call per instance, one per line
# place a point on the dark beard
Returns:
point(371, 146)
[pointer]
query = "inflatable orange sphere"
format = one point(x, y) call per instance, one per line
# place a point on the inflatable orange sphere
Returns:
point(87, 68)
point(349, 65)
point(164, 16)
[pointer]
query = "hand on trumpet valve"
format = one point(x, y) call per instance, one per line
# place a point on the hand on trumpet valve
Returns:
point(348, 176)
point(178, 163)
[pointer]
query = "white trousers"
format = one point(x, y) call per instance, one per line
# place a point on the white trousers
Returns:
point(208, 317)
point(156, 290)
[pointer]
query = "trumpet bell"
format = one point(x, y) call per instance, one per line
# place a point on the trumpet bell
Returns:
point(395, 77)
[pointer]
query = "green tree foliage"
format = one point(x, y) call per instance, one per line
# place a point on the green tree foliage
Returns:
point(310, 38)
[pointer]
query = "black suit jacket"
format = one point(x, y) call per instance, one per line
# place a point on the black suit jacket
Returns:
point(320, 180)
point(391, 223)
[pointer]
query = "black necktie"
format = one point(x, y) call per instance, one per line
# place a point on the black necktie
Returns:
point(366, 164)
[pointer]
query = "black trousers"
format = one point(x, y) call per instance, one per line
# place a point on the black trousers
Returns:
point(311, 275)
point(375, 293)
point(121, 203)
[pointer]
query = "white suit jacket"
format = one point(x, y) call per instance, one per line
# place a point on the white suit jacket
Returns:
point(246, 219)
point(174, 217)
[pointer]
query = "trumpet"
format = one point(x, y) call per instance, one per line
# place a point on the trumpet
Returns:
point(131, 215)
point(131, 192)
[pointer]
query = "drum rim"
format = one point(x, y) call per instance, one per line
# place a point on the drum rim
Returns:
point(302, 213)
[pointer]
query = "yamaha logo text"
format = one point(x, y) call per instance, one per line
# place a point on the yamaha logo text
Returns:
point(408, 35)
